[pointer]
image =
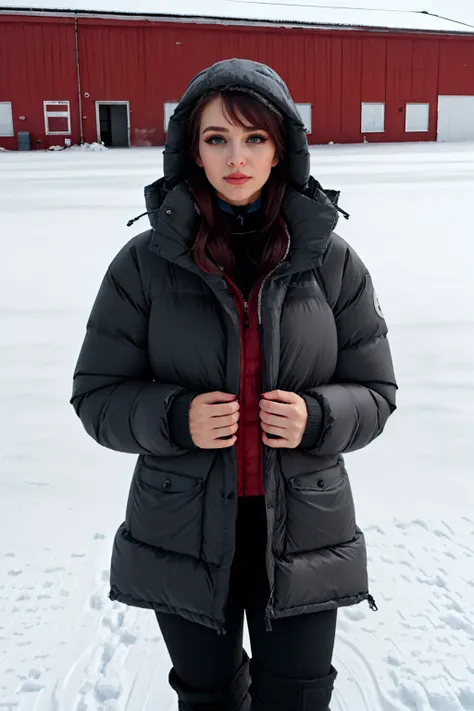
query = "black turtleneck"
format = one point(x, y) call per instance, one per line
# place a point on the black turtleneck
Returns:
point(244, 226)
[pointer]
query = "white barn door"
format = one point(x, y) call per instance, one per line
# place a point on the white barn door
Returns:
point(455, 118)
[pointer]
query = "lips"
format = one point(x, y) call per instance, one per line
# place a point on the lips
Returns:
point(237, 179)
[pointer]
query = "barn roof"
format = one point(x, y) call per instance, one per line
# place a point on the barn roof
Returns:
point(438, 16)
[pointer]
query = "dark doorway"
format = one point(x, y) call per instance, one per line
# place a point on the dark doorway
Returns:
point(113, 124)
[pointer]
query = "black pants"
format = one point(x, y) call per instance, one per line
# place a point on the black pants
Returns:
point(291, 665)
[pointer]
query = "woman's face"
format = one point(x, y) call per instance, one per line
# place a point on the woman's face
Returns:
point(237, 161)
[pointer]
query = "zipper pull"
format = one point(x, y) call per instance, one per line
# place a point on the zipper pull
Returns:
point(372, 603)
point(246, 314)
point(269, 612)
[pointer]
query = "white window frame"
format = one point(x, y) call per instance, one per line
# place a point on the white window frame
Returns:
point(420, 104)
point(302, 109)
point(8, 135)
point(57, 114)
point(364, 116)
point(168, 110)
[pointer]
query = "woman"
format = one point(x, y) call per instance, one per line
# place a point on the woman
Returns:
point(239, 348)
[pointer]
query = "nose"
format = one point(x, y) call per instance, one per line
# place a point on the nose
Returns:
point(236, 157)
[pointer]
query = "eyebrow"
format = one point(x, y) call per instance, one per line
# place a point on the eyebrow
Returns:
point(221, 129)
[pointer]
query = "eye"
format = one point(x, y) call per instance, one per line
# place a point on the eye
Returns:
point(257, 138)
point(215, 140)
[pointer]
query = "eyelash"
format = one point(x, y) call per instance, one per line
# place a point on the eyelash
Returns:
point(211, 139)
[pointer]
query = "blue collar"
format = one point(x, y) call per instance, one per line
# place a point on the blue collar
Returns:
point(231, 209)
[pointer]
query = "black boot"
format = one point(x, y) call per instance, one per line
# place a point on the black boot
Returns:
point(276, 693)
point(234, 698)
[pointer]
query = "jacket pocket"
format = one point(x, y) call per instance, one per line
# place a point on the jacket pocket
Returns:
point(320, 510)
point(167, 510)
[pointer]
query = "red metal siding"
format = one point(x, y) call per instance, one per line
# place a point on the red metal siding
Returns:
point(37, 63)
point(149, 63)
point(456, 70)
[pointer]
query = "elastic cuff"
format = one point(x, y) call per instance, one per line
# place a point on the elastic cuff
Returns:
point(178, 420)
point(314, 425)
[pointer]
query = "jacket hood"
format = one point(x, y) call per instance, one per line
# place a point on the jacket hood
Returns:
point(249, 75)
point(268, 84)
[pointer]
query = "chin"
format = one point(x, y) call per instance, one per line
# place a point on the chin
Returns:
point(238, 195)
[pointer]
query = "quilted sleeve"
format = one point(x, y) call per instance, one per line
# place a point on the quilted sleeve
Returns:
point(119, 403)
point(361, 396)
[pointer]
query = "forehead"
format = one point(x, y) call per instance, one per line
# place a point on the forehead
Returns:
point(214, 114)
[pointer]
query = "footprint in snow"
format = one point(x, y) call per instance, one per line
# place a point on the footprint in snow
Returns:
point(441, 534)
point(128, 638)
point(30, 686)
point(376, 529)
point(355, 614)
point(457, 622)
point(466, 699)
point(438, 581)
point(96, 602)
point(106, 690)
point(114, 621)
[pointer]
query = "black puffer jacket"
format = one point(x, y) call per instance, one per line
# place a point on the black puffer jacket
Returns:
point(160, 327)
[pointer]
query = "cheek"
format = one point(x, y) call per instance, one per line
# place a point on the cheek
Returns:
point(209, 159)
point(267, 160)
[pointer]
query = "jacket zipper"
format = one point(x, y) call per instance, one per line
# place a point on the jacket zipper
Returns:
point(246, 314)
point(246, 306)
point(269, 611)
point(372, 603)
point(270, 608)
point(260, 293)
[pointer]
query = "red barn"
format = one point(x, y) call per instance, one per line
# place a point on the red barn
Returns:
point(73, 75)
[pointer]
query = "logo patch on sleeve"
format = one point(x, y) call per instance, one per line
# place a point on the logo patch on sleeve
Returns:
point(377, 305)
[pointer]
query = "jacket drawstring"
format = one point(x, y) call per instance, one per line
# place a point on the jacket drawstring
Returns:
point(135, 219)
point(343, 212)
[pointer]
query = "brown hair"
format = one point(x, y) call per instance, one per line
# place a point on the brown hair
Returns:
point(212, 251)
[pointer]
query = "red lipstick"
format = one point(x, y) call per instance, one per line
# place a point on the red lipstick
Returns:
point(237, 178)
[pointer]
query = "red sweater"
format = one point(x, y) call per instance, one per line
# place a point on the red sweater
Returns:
point(249, 436)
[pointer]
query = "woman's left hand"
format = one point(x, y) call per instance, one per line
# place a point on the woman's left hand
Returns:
point(283, 414)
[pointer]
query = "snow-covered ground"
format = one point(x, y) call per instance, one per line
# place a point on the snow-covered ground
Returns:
point(63, 645)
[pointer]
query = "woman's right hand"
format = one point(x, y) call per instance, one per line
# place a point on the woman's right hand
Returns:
point(213, 416)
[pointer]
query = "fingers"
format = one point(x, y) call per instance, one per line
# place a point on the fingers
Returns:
point(274, 408)
point(217, 423)
point(229, 408)
point(223, 443)
point(280, 443)
point(224, 431)
point(275, 420)
point(275, 429)
point(275, 443)
point(281, 396)
point(216, 396)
